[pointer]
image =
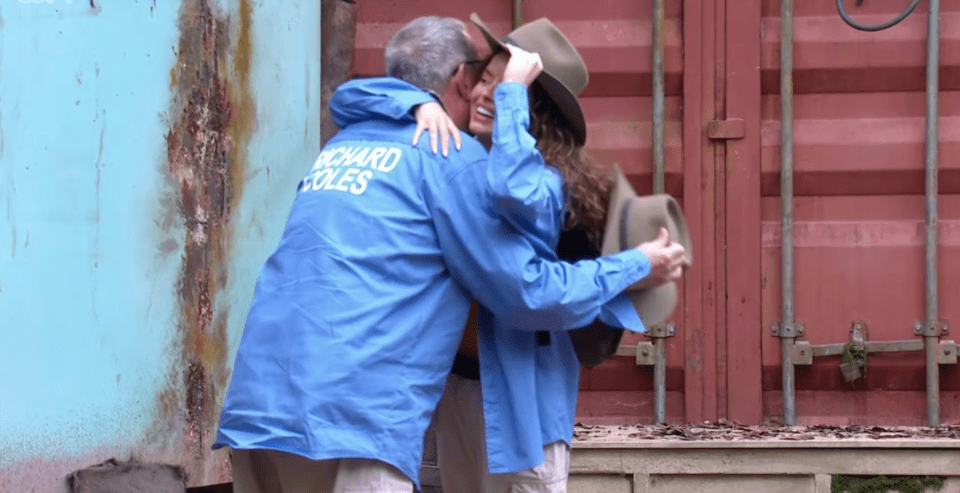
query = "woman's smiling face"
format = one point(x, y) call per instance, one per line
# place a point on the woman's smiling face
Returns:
point(482, 108)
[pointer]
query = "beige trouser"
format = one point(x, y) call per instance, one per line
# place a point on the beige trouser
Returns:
point(462, 449)
point(270, 471)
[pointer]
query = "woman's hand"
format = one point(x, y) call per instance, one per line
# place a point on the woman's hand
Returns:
point(666, 260)
point(432, 118)
point(523, 66)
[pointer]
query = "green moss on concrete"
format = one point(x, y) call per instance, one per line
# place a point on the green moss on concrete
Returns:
point(884, 484)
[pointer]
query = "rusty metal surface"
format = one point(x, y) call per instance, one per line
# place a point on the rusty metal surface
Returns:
point(149, 154)
point(202, 161)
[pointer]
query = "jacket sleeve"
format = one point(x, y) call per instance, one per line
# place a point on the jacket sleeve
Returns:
point(518, 276)
point(381, 97)
point(526, 192)
point(529, 195)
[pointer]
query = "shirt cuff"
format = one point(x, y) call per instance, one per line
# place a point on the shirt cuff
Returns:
point(635, 263)
point(620, 312)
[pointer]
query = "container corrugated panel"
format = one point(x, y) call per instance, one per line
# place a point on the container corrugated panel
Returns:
point(148, 156)
point(859, 150)
point(859, 207)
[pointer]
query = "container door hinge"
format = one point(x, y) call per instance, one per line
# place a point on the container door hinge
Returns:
point(732, 128)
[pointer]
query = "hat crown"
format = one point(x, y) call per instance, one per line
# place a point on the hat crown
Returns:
point(560, 58)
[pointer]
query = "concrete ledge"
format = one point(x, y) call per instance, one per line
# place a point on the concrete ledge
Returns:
point(761, 466)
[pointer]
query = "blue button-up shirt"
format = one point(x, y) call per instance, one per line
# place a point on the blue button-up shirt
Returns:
point(357, 315)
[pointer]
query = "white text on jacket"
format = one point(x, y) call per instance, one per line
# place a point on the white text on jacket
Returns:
point(349, 169)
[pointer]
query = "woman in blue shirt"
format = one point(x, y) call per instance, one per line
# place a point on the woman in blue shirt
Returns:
point(506, 421)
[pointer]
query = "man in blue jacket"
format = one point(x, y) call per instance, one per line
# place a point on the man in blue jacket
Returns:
point(357, 315)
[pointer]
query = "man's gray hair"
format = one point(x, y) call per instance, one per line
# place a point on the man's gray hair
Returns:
point(427, 51)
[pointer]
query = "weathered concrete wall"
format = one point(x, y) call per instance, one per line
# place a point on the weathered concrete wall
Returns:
point(660, 466)
point(149, 152)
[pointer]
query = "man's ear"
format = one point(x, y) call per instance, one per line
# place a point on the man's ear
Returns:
point(464, 81)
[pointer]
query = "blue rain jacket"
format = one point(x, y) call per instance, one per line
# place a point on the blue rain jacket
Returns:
point(358, 313)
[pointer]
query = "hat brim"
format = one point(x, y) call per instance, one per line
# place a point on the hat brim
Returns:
point(564, 98)
point(568, 105)
point(626, 211)
point(492, 41)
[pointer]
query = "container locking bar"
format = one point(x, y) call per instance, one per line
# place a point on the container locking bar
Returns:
point(803, 352)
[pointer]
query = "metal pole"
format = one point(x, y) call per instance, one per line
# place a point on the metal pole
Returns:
point(786, 201)
point(660, 350)
point(517, 13)
point(931, 340)
point(658, 118)
point(660, 380)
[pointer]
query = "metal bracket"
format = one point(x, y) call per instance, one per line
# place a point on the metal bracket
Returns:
point(646, 350)
point(948, 353)
point(661, 331)
point(931, 329)
point(645, 354)
point(802, 353)
point(787, 331)
point(731, 128)
point(858, 333)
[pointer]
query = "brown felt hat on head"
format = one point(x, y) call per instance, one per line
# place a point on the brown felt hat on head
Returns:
point(632, 220)
point(564, 74)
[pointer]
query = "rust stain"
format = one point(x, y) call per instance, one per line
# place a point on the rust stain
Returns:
point(212, 117)
point(245, 120)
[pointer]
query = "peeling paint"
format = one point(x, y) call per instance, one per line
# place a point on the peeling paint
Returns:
point(213, 117)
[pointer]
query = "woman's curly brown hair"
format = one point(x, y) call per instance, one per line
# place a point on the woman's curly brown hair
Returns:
point(587, 182)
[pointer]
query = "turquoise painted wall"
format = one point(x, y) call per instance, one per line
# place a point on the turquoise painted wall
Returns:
point(91, 245)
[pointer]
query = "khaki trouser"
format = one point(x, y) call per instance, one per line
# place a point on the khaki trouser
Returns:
point(270, 471)
point(462, 449)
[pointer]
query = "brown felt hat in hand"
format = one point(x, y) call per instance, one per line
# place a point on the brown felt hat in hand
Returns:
point(632, 220)
point(564, 74)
